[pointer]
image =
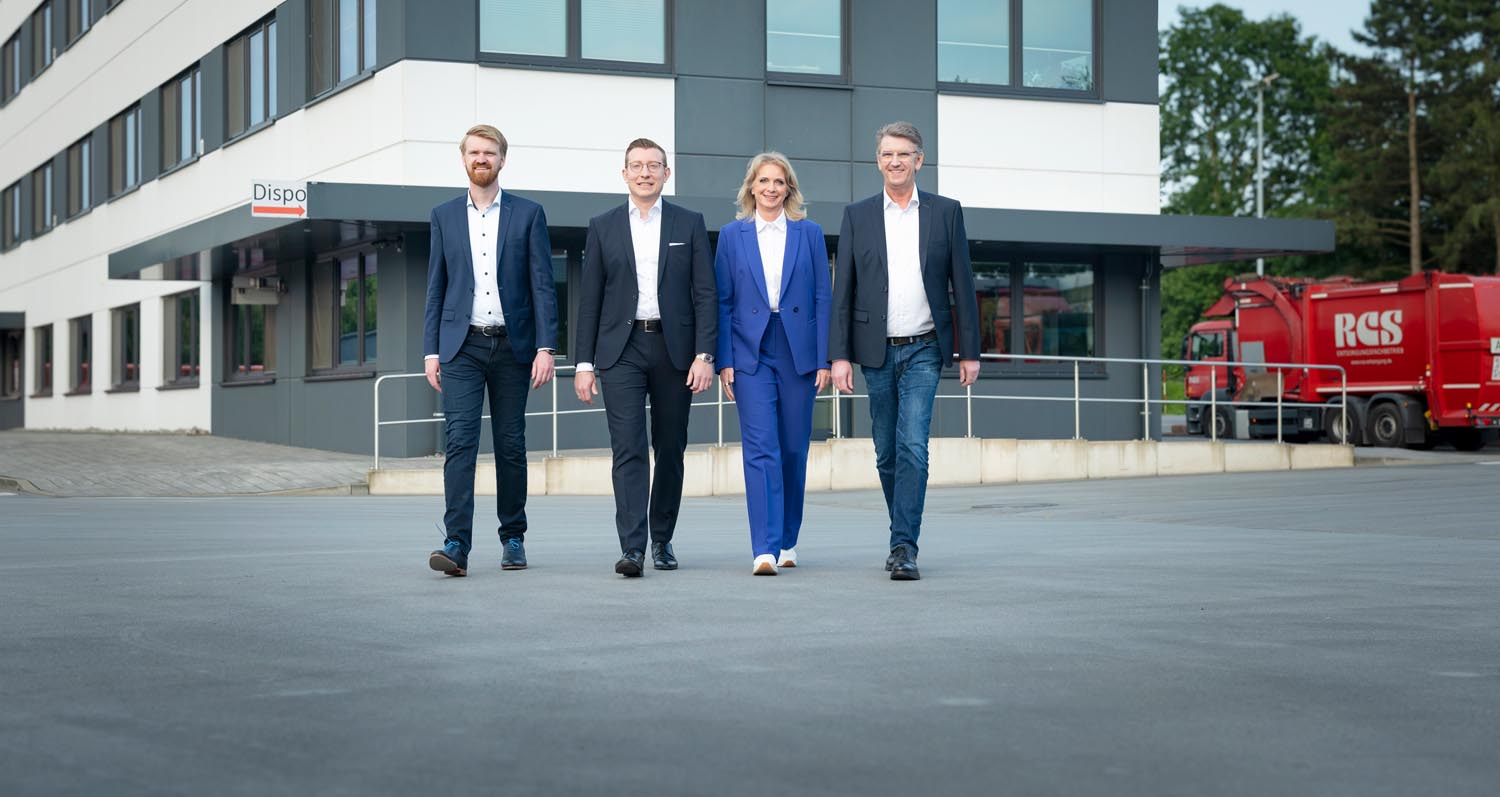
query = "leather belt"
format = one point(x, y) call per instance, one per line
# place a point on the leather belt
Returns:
point(496, 331)
point(930, 334)
point(647, 324)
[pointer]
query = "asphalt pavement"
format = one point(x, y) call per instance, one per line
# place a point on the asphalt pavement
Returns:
point(1317, 633)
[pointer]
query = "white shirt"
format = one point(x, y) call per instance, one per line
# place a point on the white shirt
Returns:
point(771, 235)
point(907, 311)
point(484, 237)
point(645, 238)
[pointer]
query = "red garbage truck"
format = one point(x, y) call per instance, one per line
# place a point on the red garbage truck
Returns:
point(1422, 358)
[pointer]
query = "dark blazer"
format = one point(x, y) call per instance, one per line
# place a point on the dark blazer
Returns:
point(607, 289)
point(745, 303)
point(860, 280)
point(528, 296)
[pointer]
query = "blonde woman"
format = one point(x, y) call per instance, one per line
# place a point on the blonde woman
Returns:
point(773, 281)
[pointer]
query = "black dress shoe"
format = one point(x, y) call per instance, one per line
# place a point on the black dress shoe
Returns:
point(904, 564)
point(662, 557)
point(631, 564)
point(514, 557)
point(890, 560)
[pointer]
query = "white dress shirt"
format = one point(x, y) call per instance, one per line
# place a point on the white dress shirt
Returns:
point(484, 237)
point(771, 235)
point(645, 241)
point(907, 311)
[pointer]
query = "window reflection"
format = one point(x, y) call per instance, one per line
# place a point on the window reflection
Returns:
point(804, 37)
point(1057, 50)
point(974, 41)
point(1059, 309)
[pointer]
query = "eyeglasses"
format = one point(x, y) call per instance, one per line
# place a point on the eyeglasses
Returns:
point(639, 167)
point(904, 157)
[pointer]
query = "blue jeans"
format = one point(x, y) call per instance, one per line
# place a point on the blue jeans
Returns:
point(484, 363)
point(901, 395)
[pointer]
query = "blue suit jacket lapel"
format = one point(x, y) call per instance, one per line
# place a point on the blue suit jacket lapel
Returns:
point(505, 214)
point(668, 215)
point(461, 223)
point(751, 244)
point(789, 257)
point(924, 225)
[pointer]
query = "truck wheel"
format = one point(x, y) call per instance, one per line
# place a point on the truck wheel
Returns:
point(1223, 428)
point(1386, 426)
point(1342, 430)
point(1467, 439)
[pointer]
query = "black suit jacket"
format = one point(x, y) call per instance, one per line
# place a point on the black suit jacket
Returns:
point(861, 282)
point(608, 289)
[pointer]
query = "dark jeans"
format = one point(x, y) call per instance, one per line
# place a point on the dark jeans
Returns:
point(646, 505)
point(484, 363)
point(901, 395)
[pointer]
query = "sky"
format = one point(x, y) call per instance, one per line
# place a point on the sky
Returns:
point(1329, 20)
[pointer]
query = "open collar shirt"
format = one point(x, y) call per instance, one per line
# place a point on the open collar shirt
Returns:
point(771, 235)
point(907, 311)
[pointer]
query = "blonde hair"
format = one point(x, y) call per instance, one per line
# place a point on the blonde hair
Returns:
point(792, 205)
point(485, 131)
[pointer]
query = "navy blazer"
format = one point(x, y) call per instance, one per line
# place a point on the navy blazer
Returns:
point(745, 304)
point(861, 281)
point(528, 297)
point(608, 290)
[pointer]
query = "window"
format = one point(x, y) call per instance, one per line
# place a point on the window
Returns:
point(10, 68)
point(181, 119)
point(41, 199)
point(125, 329)
point(78, 19)
point(977, 45)
point(805, 37)
point(343, 41)
point(251, 336)
point(41, 38)
point(42, 379)
point(345, 291)
point(10, 216)
point(1055, 304)
point(80, 177)
point(251, 77)
point(180, 338)
point(626, 33)
point(1206, 346)
point(125, 151)
point(11, 364)
point(81, 336)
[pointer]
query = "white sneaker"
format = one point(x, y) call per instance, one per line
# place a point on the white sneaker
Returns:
point(788, 558)
point(765, 565)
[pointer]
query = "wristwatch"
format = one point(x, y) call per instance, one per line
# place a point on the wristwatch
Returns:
point(706, 357)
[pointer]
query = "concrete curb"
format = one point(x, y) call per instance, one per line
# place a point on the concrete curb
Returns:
point(849, 464)
point(11, 484)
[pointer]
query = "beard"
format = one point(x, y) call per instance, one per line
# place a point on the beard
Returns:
point(483, 179)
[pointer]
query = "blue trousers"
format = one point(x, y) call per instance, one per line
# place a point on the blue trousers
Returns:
point(484, 364)
point(901, 395)
point(776, 409)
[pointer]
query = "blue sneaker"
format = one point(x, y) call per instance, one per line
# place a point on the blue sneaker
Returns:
point(514, 557)
point(449, 560)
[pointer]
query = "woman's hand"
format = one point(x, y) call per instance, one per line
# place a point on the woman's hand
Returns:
point(825, 376)
point(726, 378)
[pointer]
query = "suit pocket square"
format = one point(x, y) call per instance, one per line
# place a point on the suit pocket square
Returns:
point(677, 243)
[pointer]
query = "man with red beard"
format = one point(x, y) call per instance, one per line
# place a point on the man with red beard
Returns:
point(490, 324)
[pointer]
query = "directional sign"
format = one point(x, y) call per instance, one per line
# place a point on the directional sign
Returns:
point(277, 199)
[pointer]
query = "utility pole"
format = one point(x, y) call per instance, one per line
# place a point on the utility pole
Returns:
point(1260, 155)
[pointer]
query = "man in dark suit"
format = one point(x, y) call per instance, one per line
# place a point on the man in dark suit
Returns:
point(490, 324)
point(899, 253)
point(647, 312)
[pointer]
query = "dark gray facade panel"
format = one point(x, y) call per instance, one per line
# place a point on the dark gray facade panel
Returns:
point(99, 166)
point(720, 38)
point(717, 116)
point(60, 186)
point(808, 122)
point(868, 181)
point(390, 31)
point(28, 204)
point(1128, 71)
point(98, 8)
point(710, 177)
point(893, 43)
point(441, 30)
point(25, 46)
point(13, 413)
point(229, 226)
point(876, 107)
point(1148, 230)
point(825, 184)
point(150, 134)
point(291, 56)
point(211, 76)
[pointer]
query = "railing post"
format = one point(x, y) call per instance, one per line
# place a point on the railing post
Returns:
point(554, 414)
point(968, 410)
point(1145, 399)
point(720, 410)
point(1348, 430)
point(377, 425)
point(1278, 405)
point(838, 414)
point(1077, 417)
point(1213, 403)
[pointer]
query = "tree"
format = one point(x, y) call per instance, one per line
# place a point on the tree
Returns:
point(1467, 172)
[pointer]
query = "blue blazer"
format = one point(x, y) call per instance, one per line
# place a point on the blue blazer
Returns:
point(745, 307)
point(523, 275)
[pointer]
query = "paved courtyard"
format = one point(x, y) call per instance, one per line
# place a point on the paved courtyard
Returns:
point(1315, 633)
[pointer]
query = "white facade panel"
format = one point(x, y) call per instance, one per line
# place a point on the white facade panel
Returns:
point(1041, 155)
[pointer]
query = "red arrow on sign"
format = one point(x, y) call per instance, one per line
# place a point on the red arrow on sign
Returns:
point(297, 211)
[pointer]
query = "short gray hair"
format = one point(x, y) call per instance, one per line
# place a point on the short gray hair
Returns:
point(905, 130)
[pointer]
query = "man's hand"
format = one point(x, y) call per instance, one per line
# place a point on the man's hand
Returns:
point(726, 378)
point(541, 369)
point(968, 372)
point(434, 373)
point(843, 376)
point(700, 376)
point(585, 386)
point(822, 379)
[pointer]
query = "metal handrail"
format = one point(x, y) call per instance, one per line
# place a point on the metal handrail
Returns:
point(968, 396)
